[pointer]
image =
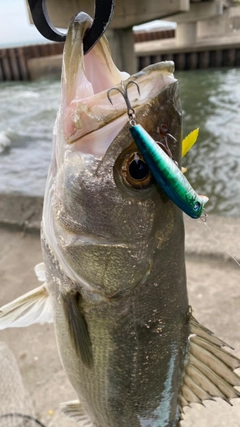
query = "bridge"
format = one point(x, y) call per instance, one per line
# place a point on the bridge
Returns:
point(207, 34)
point(196, 19)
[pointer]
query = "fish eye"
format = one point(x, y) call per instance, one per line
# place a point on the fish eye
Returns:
point(134, 170)
point(138, 169)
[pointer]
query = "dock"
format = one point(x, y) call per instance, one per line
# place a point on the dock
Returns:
point(44, 60)
point(205, 53)
point(15, 62)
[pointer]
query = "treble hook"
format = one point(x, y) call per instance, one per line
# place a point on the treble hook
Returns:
point(102, 18)
point(124, 93)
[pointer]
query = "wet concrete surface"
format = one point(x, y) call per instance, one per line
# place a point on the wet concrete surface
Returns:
point(214, 293)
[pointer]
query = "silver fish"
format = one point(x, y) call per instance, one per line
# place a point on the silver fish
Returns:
point(113, 251)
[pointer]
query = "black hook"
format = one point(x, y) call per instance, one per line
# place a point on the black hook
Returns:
point(102, 17)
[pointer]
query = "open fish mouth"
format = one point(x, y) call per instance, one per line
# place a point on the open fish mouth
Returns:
point(86, 80)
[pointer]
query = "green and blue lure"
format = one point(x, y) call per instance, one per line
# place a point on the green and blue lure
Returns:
point(165, 171)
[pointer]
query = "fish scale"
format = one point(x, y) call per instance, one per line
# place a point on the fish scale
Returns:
point(113, 257)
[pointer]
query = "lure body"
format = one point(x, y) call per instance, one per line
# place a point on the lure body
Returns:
point(167, 174)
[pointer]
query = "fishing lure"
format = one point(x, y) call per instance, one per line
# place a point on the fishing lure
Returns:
point(189, 141)
point(165, 171)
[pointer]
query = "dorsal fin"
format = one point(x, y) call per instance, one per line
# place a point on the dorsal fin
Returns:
point(209, 371)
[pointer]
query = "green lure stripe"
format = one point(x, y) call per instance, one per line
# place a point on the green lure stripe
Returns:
point(167, 175)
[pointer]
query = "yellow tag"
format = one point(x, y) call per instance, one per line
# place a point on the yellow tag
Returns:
point(189, 141)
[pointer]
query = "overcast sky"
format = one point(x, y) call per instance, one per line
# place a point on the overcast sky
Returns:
point(15, 28)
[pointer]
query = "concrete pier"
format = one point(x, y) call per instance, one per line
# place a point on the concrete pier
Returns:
point(224, 52)
point(122, 57)
point(196, 18)
point(207, 35)
point(214, 293)
point(205, 53)
point(126, 14)
point(29, 62)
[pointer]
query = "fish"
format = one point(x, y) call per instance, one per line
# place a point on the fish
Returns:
point(113, 273)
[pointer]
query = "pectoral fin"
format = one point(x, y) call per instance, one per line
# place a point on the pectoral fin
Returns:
point(76, 411)
point(209, 371)
point(78, 329)
point(33, 307)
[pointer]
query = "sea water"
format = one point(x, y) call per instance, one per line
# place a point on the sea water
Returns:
point(210, 101)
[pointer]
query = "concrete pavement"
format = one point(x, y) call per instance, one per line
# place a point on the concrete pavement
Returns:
point(214, 293)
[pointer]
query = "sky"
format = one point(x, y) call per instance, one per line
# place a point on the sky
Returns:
point(15, 28)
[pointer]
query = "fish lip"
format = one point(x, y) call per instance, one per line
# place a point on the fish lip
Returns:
point(86, 80)
point(84, 77)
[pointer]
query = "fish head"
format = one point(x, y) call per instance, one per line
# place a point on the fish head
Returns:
point(104, 215)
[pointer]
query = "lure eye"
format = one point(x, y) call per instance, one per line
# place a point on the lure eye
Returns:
point(134, 170)
point(196, 206)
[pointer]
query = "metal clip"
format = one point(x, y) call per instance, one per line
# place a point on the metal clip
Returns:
point(102, 18)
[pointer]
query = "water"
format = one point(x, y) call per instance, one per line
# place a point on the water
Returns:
point(27, 115)
point(211, 101)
